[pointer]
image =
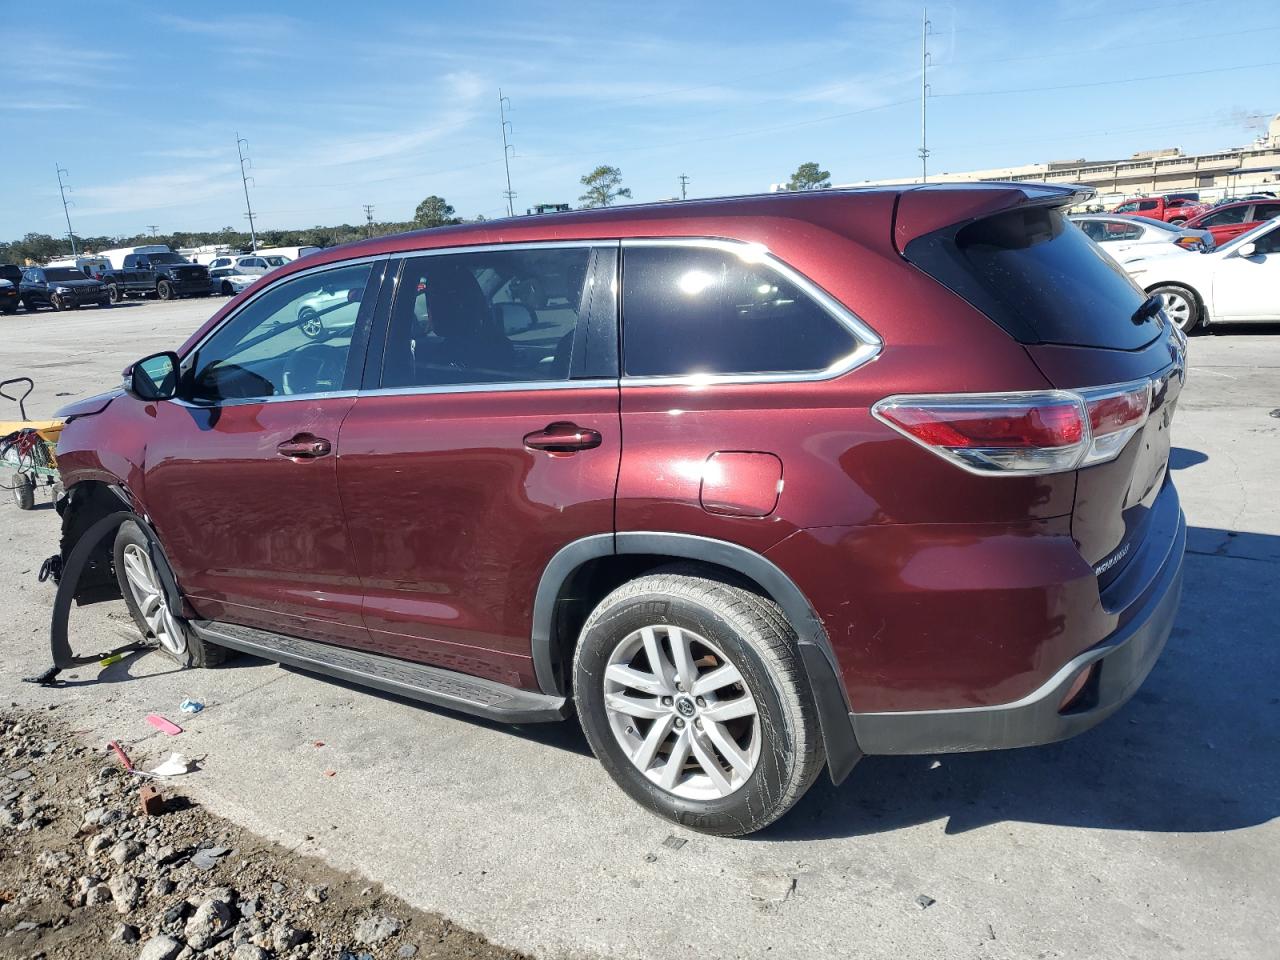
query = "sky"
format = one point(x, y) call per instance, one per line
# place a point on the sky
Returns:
point(385, 103)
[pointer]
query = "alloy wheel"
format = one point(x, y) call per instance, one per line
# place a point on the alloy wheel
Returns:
point(681, 712)
point(312, 326)
point(148, 594)
point(1178, 308)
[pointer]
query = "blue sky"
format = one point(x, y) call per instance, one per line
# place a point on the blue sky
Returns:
point(385, 103)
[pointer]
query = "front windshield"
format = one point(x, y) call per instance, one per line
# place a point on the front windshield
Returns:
point(165, 258)
point(63, 273)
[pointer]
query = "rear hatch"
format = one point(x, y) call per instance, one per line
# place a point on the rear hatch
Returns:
point(1077, 314)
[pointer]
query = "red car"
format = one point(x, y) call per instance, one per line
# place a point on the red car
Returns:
point(1229, 220)
point(765, 485)
point(1169, 209)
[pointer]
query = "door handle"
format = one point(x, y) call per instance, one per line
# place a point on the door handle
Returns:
point(563, 437)
point(304, 447)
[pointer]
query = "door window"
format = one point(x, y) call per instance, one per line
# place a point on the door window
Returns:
point(1265, 211)
point(1267, 243)
point(499, 316)
point(1225, 217)
point(1131, 207)
point(294, 339)
point(1119, 230)
point(701, 310)
point(1148, 205)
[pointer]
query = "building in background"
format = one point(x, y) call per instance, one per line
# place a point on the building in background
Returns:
point(1231, 172)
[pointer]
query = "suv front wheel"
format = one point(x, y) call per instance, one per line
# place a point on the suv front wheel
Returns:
point(692, 696)
point(144, 595)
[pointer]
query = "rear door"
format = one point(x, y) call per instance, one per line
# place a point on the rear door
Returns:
point(488, 440)
point(240, 475)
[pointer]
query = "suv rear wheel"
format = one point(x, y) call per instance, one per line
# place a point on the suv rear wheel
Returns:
point(691, 694)
point(144, 595)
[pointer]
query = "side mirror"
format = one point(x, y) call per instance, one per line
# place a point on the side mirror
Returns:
point(155, 377)
point(1247, 250)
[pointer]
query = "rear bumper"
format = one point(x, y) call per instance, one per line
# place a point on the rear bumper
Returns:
point(1120, 662)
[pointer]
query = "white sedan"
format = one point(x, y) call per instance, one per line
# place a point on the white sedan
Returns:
point(1237, 283)
point(226, 281)
point(1127, 238)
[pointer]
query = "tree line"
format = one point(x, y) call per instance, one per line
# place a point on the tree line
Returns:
point(601, 188)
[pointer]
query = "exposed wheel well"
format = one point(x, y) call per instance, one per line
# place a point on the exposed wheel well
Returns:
point(84, 505)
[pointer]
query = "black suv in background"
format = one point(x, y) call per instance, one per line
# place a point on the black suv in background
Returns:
point(166, 275)
point(10, 278)
point(63, 288)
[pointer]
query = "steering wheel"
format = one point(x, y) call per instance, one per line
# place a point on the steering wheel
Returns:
point(315, 368)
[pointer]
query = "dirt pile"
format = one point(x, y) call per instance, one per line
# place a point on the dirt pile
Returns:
point(85, 873)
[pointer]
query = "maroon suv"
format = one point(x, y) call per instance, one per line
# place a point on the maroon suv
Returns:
point(753, 486)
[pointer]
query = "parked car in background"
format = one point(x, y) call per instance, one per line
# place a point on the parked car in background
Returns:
point(249, 263)
point(528, 513)
point(227, 281)
point(1126, 237)
point(1237, 283)
point(1169, 210)
point(153, 271)
point(10, 278)
point(62, 288)
point(1232, 219)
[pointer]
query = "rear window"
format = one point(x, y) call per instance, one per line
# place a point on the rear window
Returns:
point(1039, 278)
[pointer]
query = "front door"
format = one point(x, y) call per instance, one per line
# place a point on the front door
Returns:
point(1248, 288)
point(491, 440)
point(240, 476)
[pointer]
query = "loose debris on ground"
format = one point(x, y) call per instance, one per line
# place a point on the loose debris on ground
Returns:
point(85, 874)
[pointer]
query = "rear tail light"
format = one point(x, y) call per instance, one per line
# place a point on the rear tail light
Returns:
point(1023, 433)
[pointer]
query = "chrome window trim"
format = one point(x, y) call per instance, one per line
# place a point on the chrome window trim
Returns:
point(250, 401)
point(869, 342)
point(499, 387)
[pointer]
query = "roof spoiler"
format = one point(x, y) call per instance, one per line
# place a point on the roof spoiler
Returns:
point(929, 207)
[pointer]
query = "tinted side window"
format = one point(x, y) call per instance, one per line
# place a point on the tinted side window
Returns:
point(697, 310)
point(500, 316)
point(1265, 211)
point(293, 339)
point(1148, 205)
point(1225, 217)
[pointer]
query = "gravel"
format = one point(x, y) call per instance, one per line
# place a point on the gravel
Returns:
point(85, 875)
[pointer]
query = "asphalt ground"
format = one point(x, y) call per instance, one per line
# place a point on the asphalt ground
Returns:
point(1154, 835)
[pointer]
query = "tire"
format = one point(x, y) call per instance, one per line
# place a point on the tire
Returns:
point(10, 311)
point(164, 290)
point(56, 303)
point(30, 306)
point(310, 324)
point(113, 293)
point(1182, 304)
point(141, 589)
point(777, 744)
point(24, 492)
point(226, 289)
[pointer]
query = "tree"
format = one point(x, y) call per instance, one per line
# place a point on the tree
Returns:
point(809, 176)
point(434, 212)
point(602, 187)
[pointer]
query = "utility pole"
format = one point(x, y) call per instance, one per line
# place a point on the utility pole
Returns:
point(368, 216)
point(62, 189)
point(153, 228)
point(245, 178)
point(684, 183)
point(504, 104)
point(924, 96)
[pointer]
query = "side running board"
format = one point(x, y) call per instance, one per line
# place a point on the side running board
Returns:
point(443, 688)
